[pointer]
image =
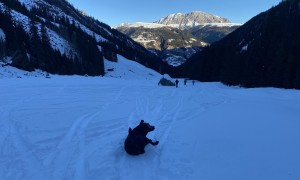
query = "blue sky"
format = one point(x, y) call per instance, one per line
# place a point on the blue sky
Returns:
point(114, 12)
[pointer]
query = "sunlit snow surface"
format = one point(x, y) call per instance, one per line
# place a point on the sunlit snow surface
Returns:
point(71, 127)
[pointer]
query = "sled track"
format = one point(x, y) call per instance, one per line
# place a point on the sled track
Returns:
point(73, 145)
point(18, 154)
point(63, 153)
point(156, 111)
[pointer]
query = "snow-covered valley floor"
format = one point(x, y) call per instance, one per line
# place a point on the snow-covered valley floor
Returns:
point(74, 128)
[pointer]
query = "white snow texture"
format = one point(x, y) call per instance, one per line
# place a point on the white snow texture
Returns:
point(2, 35)
point(72, 127)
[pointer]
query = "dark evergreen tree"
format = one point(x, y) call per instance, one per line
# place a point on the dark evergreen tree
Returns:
point(35, 48)
point(2, 40)
point(45, 55)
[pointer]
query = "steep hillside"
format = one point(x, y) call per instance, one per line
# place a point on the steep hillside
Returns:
point(173, 45)
point(213, 32)
point(263, 52)
point(159, 37)
point(53, 36)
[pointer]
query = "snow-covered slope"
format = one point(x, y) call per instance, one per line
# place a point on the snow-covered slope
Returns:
point(212, 32)
point(30, 3)
point(157, 25)
point(9, 72)
point(81, 40)
point(130, 70)
point(57, 42)
point(221, 24)
point(56, 12)
point(160, 37)
point(2, 35)
point(123, 69)
point(70, 127)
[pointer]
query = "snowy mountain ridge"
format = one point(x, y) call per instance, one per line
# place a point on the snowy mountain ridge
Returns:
point(157, 25)
point(56, 12)
point(189, 20)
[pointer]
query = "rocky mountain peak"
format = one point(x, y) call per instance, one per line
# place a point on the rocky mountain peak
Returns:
point(189, 20)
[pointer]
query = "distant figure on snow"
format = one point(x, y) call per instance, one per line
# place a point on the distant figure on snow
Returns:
point(176, 82)
point(193, 82)
point(185, 81)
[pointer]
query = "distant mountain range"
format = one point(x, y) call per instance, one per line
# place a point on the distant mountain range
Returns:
point(177, 37)
point(190, 20)
point(159, 37)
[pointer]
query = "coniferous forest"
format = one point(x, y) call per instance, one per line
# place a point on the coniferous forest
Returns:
point(264, 52)
point(32, 49)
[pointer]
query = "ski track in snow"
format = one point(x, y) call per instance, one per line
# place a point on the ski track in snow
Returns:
point(68, 158)
point(75, 130)
point(76, 136)
point(163, 115)
point(17, 150)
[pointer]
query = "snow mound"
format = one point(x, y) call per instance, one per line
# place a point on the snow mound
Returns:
point(123, 69)
point(130, 70)
point(2, 35)
point(7, 71)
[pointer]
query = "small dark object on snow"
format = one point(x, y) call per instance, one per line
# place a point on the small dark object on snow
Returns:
point(47, 75)
point(165, 82)
point(137, 139)
point(176, 82)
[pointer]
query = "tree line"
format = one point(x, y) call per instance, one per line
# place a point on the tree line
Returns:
point(264, 52)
